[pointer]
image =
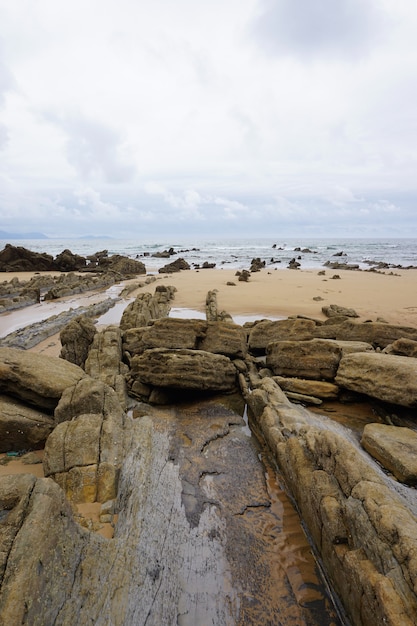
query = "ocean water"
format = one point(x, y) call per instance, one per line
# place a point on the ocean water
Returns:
point(238, 253)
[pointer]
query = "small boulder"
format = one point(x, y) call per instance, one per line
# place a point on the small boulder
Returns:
point(395, 448)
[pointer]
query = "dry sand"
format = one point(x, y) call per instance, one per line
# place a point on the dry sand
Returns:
point(282, 292)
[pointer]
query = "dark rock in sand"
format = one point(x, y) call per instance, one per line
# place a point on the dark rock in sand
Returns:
point(22, 427)
point(334, 310)
point(36, 379)
point(19, 259)
point(67, 261)
point(175, 266)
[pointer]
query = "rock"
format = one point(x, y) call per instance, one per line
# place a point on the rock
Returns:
point(121, 265)
point(147, 307)
point(395, 448)
point(184, 369)
point(243, 276)
point(376, 333)
point(294, 265)
point(19, 259)
point(402, 347)
point(36, 379)
point(175, 266)
point(388, 378)
point(265, 332)
point(224, 338)
point(313, 359)
point(22, 427)
point(257, 265)
point(104, 361)
point(67, 261)
point(319, 389)
point(175, 333)
point(76, 338)
point(334, 310)
point(85, 451)
point(364, 531)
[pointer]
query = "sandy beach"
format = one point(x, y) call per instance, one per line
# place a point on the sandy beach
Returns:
point(281, 293)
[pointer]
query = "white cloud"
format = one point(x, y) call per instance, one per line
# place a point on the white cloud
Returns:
point(239, 112)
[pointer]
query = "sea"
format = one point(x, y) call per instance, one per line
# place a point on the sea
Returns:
point(238, 253)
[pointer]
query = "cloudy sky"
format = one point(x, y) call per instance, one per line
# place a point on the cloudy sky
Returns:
point(227, 117)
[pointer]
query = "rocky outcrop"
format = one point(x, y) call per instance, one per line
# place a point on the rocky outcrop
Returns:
point(147, 307)
point(22, 427)
point(19, 259)
point(395, 448)
point(212, 312)
point(175, 266)
point(378, 334)
point(104, 361)
point(363, 530)
point(121, 265)
point(264, 332)
point(389, 378)
point(67, 261)
point(315, 359)
point(183, 370)
point(36, 379)
point(76, 338)
point(85, 451)
point(175, 333)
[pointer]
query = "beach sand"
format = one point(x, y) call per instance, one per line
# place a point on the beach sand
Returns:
point(283, 292)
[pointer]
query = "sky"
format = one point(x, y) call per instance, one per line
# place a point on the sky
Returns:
point(221, 118)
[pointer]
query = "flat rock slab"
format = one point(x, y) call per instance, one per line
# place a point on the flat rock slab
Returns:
point(184, 369)
point(387, 377)
point(34, 378)
point(395, 448)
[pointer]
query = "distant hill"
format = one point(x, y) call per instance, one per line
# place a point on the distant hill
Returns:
point(6, 235)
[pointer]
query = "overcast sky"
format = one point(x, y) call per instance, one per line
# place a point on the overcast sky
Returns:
point(224, 117)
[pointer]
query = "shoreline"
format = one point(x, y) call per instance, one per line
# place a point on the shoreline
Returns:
point(278, 293)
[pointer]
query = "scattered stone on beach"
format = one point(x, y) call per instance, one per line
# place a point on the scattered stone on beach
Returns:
point(389, 378)
point(335, 310)
point(243, 276)
point(294, 264)
point(22, 427)
point(175, 266)
point(395, 448)
point(36, 379)
point(257, 265)
point(402, 347)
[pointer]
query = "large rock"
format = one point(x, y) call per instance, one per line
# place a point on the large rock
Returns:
point(364, 531)
point(192, 334)
point(402, 347)
point(76, 338)
point(395, 448)
point(265, 332)
point(147, 307)
point(378, 334)
point(105, 361)
point(34, 378)
point(315, 359)
point(389, 378)
point(85, 451)
point(175, 266)
point(184, 369)
point(316, 388)
point(22, 427)
point(168, 332)
point(19, 259)
point(67, 261)
point(120, 264)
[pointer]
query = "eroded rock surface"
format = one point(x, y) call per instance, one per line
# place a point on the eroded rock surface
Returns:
point(395, 448)
point(22, 427)
point(36, 379)
point(389, 378)
point(76, 338)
